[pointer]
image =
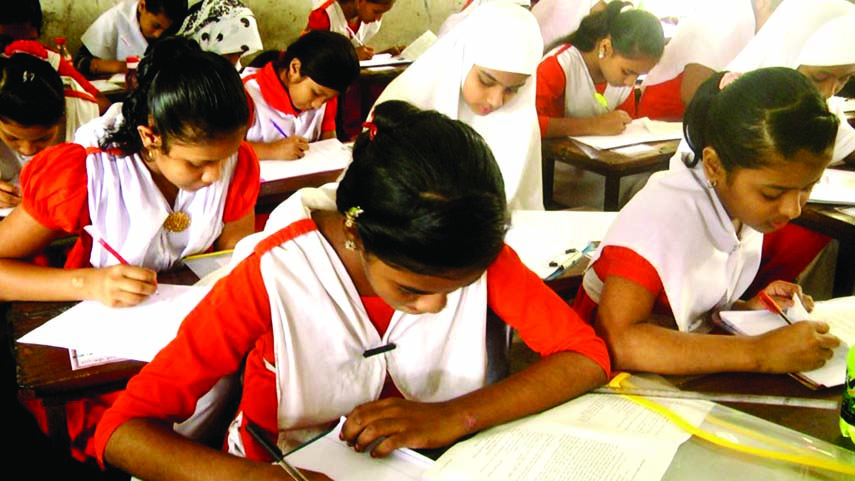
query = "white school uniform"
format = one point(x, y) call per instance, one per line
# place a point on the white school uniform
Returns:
point(500, 36)
point(307, 267)
point(338, 23)
point(116, 34)
point(271, 108)
point(677, 223)
point(118, 185)
point(579, 90)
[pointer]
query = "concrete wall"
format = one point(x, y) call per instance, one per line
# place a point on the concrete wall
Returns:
point(279, 21)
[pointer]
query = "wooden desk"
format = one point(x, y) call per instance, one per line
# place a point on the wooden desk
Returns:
point(819, 423)
point(613, 166)
point(44, 372)
point(827, 220)
point(272, 193)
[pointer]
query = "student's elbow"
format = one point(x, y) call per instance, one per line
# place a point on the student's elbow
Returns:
point(622, 341)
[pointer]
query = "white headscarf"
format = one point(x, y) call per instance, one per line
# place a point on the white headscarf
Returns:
point(500, 36)
point(452, 20)
point(558, 18)
point(833, 44)
point(223, 27)
point(711, 36)
point(781, 40)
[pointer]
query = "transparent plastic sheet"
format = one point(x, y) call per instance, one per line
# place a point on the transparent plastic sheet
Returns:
point(751, 448)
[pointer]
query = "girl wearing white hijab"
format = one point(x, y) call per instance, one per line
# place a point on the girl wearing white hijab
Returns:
point(481, 73)
point(557, 18)
point(452, 20)
point(225, 27)
point(705, 42)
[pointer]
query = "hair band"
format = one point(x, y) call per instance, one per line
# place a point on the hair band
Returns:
point(372, 129)
point(728, 79)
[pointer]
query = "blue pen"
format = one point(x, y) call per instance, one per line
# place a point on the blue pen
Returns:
point(572, 258)
point(279, 129)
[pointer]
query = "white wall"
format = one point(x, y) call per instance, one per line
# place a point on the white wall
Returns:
point(280, 21)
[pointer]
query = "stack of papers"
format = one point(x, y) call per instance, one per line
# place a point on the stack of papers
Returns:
point(836, 187)
point(112, 84)
point(638, 131)
point(323, 156)
point(409, 55)
point(839, 313)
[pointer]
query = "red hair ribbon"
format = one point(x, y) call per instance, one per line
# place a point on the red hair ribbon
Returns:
point(372, 129)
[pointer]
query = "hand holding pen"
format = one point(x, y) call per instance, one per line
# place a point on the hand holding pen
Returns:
point(10, 196)
point(290, 147)
point(120, 285)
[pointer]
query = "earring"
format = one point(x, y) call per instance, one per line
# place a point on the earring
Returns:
point(602, 53)
point(712, 184)
point(350, 245)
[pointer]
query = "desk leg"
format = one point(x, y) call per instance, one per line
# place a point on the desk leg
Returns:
point(612, 196)
point(57, 424)
point(548, 174)
point(844, 271)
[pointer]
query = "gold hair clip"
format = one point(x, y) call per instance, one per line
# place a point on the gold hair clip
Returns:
point(351, 215)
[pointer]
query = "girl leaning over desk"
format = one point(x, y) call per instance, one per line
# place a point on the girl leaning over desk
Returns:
point(688, 244)
point(406, 252)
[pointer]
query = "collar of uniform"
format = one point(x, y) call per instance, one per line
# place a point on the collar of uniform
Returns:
point(274, 92)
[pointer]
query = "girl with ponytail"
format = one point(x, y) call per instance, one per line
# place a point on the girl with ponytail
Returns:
point(586, 83)
point(688, 244)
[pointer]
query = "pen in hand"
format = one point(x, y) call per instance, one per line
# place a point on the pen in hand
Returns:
point(99, 238)
point(773, 306)
point(274, 451)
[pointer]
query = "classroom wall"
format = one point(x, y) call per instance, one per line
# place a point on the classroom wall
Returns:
point(279, 21)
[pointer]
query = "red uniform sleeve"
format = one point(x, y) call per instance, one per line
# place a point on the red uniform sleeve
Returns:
point(544, 321)
point(550, 91)
point(67, 70)
point(54, 190)
point(626, 263)
point(328, 123)
point(246, 182)
point(318, 20)
point(211, 343)
point(629, 105)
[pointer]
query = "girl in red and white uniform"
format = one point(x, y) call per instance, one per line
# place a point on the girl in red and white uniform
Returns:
point(705, 42)
point(358, 20)
point(293, 99)
point(367, 299)
point(688, 244)
point(165, 182)
point(586, 85)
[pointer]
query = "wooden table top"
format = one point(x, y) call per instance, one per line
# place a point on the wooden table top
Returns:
point(608, 162)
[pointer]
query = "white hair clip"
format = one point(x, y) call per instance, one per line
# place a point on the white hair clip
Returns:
point(28, 76)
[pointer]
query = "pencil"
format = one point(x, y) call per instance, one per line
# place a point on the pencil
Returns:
point(97, 237)
point(274, 451)
point(279, 129)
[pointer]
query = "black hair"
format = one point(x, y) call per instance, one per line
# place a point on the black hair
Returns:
point(634, 33)
point(431, 194)
point(326, 57)
point(183, 93)
point(20, 12)
point(31, 91)
point(174, 10)
point(265, 58)
point(769, 110)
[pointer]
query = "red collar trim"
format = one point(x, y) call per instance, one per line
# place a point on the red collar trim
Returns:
point(273, 91)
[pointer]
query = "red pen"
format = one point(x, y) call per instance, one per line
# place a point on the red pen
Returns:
point(97, 237)
point(773, 306)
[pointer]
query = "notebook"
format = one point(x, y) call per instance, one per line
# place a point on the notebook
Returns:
point(835, 187)
point(839, 313)
point(638, 131)
point(323, 156)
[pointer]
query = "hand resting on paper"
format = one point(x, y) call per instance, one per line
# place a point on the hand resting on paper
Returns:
point(119, 285)
point(611, 123)
point(402, 423)
point(782, 293)
point(804, 346)
point(291, 148)
point(364, 52)
point(10, 196)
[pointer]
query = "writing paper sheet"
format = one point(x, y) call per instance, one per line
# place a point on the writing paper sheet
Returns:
point(839, 313)
point(638, 131)
point(138, 332)
point(835, 187)
point(334, 458)
point(419, 46)
point(540, 236)
point(383, 59)
point(593, 437)
point(322, 156)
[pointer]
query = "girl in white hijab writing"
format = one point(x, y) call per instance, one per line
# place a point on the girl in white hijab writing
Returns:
point(481, 73)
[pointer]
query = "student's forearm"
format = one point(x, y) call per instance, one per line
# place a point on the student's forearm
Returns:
point(264, 150)
point(235, 231)
point(546, 383)
point(652, 348)
point(23, 281)
point(99, 66)
point(154, 452)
